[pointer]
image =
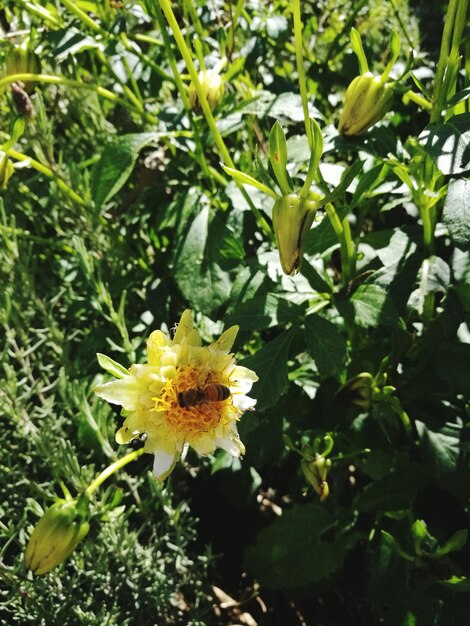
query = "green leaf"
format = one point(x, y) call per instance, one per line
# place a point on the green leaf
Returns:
point(456, 214)
point(373, 306)
point(201, 271)
point(440, 450)
point(246, 179)
point(264, 311)
point(114, 368)
point(270, 363)
point(278, 158)
point(434, 277)
point(326, 345)
point(292, 553)
point(115, 165)
point(448, 144)
point(455, 543)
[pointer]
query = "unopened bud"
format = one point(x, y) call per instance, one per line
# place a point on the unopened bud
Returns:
point(315, 473)
point(212, 86)
point(357, 390)
point(55, 536)
point(20, 60)
point(367, 100)
point(292, 219)
point(6, 170)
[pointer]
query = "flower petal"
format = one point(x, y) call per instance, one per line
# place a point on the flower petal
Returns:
point(185, 326)
point(242, 402)
point(155, 342)
point(231, 445)
point(226, 339)
point(124, 392)
point(164, 463)
point(125, 434)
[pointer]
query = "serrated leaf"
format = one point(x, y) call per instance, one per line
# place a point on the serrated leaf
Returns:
point(270, 363)
point(326, 345)
point(199, 265)
point(291, 552)
point(440, 450)
point(448, 144)
point(373, 306)
point(115, 165)
point(456, 214)
point(112, 367)
point(264, 311)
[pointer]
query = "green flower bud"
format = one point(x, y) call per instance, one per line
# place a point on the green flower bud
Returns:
point(212, 87)
point(357, 390)
point(55, 536)
point(367, 100)
point(6, 171)
point(315, 473)
point(20, 60)
point(292, 218)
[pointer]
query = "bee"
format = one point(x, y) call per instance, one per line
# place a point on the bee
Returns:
point(210, 393)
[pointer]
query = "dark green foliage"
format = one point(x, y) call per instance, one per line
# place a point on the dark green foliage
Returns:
point(119, 217)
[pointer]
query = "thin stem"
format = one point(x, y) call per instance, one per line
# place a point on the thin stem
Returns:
point(417, 99)
point(451, 38)
point(344, 238)
point(84, 17)
point(428, 231)
point(301, 71)
point(39, 167)
point(186, 54)
point(182, 91)
point(111, 469)
point(60, 80)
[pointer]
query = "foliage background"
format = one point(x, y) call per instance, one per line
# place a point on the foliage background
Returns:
point(159, 228)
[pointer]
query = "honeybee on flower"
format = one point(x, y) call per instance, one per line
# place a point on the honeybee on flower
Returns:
point(153, 396)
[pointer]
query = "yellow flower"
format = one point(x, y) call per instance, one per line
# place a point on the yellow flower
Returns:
point(185, 394)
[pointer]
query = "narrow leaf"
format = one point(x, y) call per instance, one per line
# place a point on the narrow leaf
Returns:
point(245, 179)
point(111, 366)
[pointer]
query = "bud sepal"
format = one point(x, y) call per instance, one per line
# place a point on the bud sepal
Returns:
point(56, 535)
point(293, 216)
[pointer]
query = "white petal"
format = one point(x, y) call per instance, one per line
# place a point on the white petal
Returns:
point(244, 403)
point(124, 392)
point(243, 377)
point(231, 446)
point(164, 463)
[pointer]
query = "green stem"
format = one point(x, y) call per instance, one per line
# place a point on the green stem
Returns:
point(301, 71)
point(111, 469)
point(39, 167)
point(60, 80)
point(182, 91)
point(428, 231)
point(187, 57)
point(345, 242)
point(451, 38)
point(84, 17)
point(417, 99)
point(42, 13)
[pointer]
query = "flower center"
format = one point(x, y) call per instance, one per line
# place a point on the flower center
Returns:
point(193, 402)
